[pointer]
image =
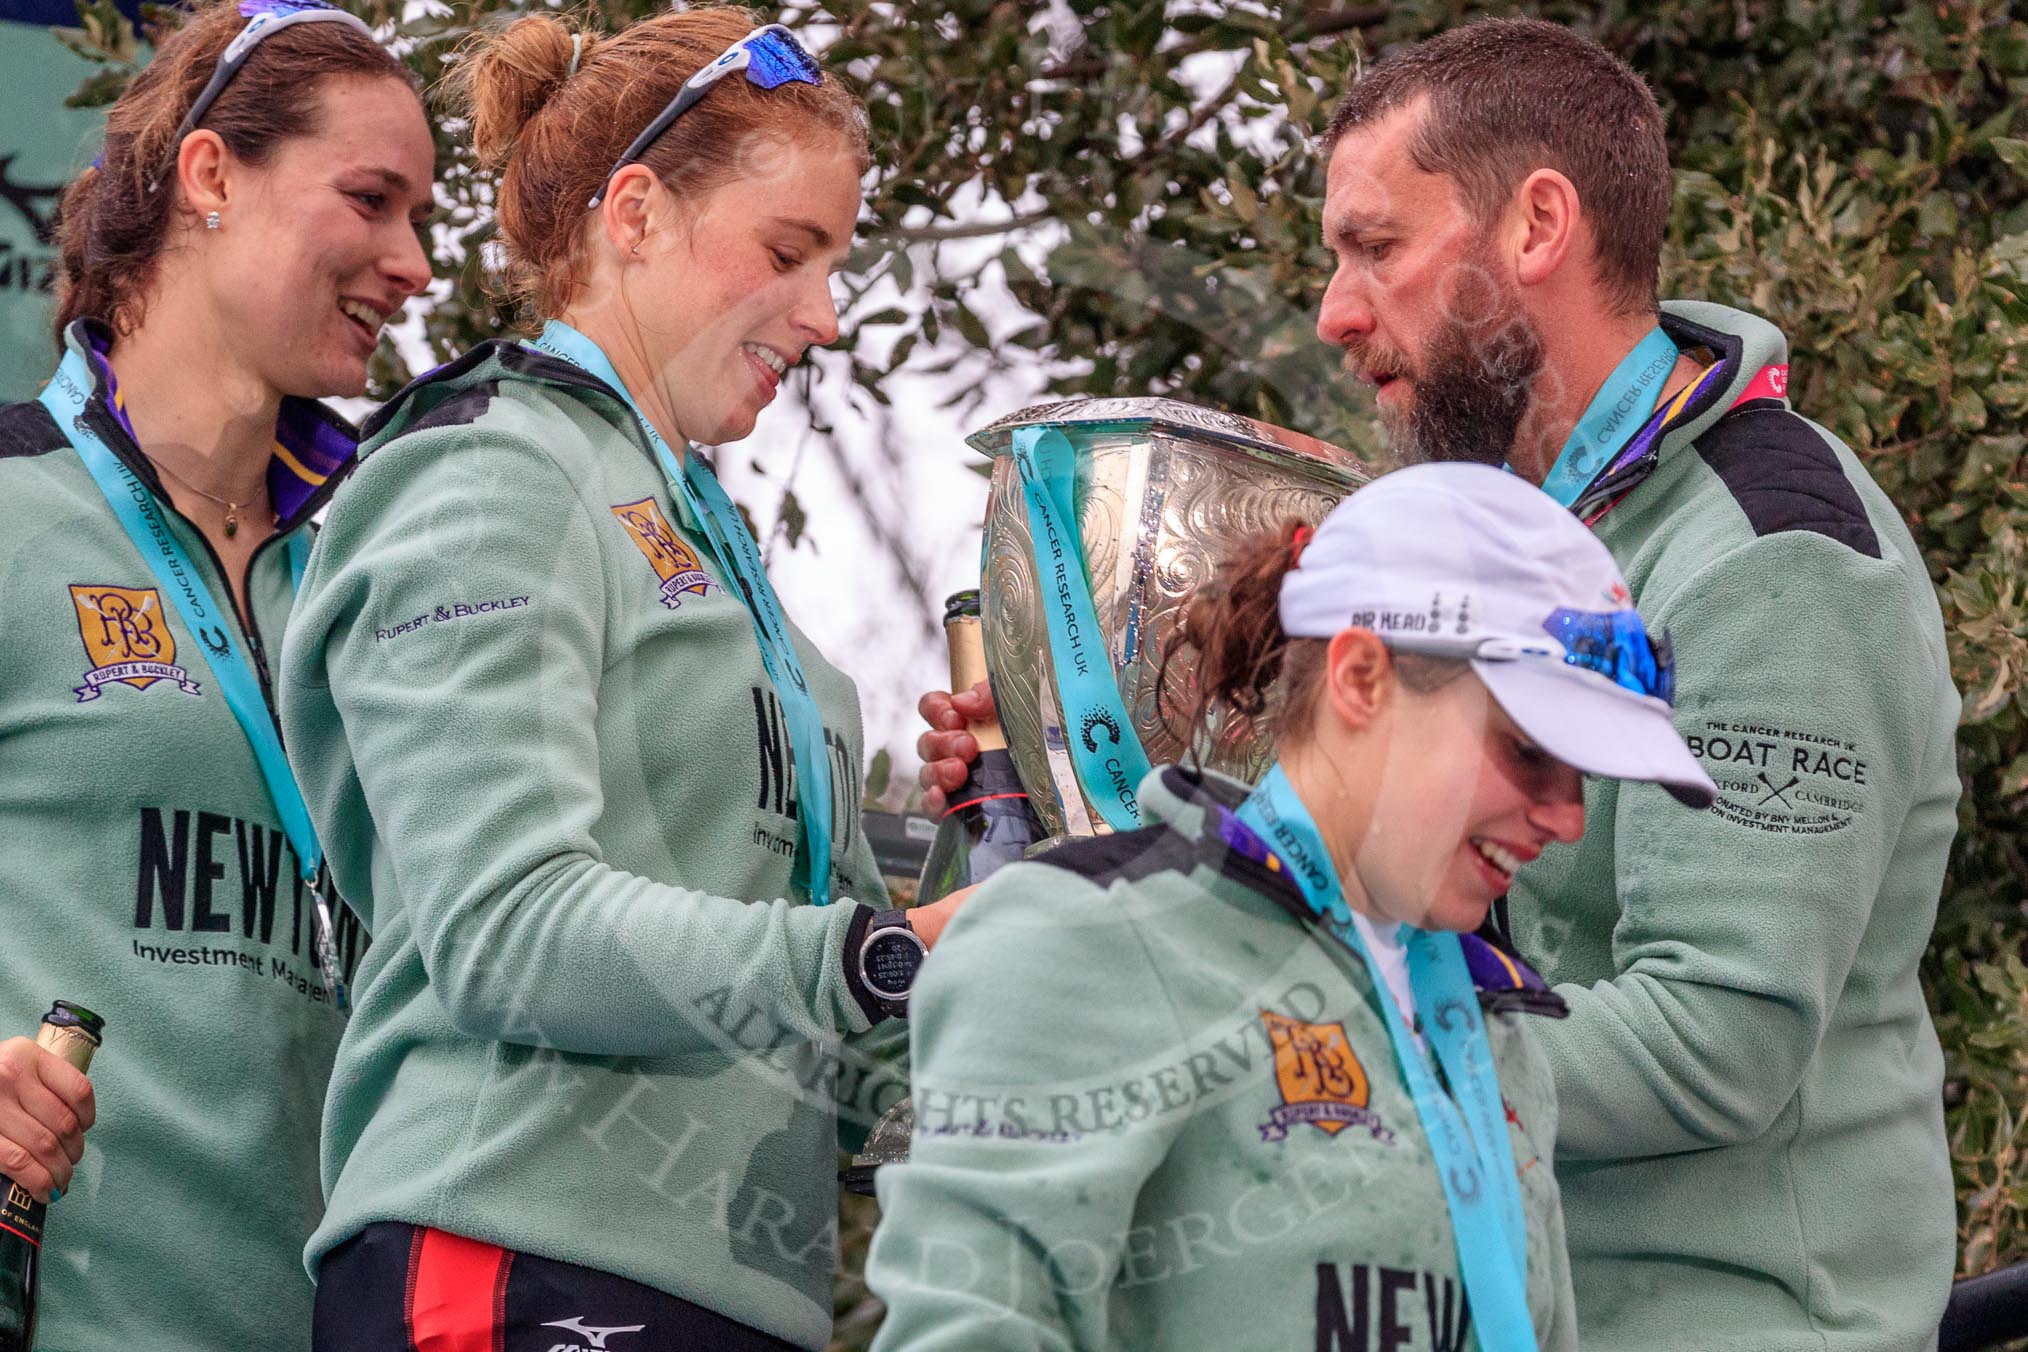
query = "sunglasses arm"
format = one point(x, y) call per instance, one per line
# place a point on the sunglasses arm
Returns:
point(737, 58)
point(263, 26)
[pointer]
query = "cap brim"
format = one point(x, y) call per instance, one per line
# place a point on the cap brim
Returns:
point(1597, 728)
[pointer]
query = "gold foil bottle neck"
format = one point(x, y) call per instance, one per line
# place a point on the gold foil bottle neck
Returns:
point(967, 641)
point(73, 1044)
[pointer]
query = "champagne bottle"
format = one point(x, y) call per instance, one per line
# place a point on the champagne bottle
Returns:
point(989, 823)
point(72, 1032)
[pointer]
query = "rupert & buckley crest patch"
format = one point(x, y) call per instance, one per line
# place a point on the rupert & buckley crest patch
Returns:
point(1320, 1079)
point(675, 563)
point(127, 639)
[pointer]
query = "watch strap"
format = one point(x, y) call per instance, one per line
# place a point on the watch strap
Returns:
point(855, 935)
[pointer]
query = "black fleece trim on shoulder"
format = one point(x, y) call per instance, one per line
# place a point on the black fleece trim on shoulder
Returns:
point(1785, 478)
point(1123, 856)
point(1226, 795)
point(512, 358)
point(451, 370)
point(1129, 856)
point(1277, 887)
point(1186, 783)
point(526, 361)
point(28, 429)
point(465, 407)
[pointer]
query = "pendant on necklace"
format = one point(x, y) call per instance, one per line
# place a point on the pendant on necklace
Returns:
point(231, 519)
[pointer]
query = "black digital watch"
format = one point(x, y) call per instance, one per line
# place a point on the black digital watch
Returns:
point(889, 957)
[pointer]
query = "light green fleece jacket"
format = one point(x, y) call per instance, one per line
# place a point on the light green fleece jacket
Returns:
point(537, 737)
point(1156, 1109)
point(145, 875)
point(1751, 1147)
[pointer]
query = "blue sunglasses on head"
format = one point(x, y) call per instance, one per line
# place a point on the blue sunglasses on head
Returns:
point(267, 18)
point(770, 56)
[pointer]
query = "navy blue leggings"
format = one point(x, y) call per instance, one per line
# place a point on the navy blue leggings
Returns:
point(405, 1288)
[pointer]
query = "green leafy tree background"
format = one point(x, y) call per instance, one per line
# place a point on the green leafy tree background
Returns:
point(1124, 196)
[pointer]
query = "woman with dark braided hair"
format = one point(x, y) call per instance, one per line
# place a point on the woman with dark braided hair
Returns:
point(1247, 1077)
point(231, 259)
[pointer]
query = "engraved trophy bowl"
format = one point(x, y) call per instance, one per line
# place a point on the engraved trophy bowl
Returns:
point(1163, 491)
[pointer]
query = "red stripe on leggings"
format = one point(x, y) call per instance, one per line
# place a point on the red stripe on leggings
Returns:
point(456, 1293)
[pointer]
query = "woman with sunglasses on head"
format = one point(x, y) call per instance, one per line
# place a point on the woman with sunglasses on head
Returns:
point(228, 261)
point(596, 798)
point(1248, 1077)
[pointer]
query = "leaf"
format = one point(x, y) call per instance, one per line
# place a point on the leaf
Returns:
point(899, 357)
point(1244, 201)
point(100, 89)
point(1982, 706)
point(878, 772)
point(972, 327)
point(1968, 411)
point(1939, 216)
point(2013, 153)
point(2014, 782)
point(793, 518)
point(1016, 267)
point(910, 194)
point(80, 43)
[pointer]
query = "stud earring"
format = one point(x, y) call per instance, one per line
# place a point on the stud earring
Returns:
point(211, 220)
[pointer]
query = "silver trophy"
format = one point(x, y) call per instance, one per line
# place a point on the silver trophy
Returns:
point(1163, 490)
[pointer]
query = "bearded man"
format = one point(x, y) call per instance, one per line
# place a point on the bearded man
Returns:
point(1751, 1145)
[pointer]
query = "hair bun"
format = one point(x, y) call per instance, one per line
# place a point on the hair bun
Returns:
point(1225, 654)
point(509, 74)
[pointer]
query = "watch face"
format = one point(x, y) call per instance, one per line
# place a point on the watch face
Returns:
point(890, 961)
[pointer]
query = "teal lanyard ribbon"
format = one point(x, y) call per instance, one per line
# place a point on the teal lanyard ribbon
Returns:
point(1619, 409)
point(739, 558)
point(1105, 751)
point(1474, 1158)
point(133, 503)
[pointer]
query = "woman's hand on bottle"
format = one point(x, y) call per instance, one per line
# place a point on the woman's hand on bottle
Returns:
point(928, 921)
point(46, 1107)
point(947, 750)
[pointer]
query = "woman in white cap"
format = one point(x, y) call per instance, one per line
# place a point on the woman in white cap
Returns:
point(1247, 1077)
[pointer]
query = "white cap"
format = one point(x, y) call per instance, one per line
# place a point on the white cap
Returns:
point(1465, 560)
